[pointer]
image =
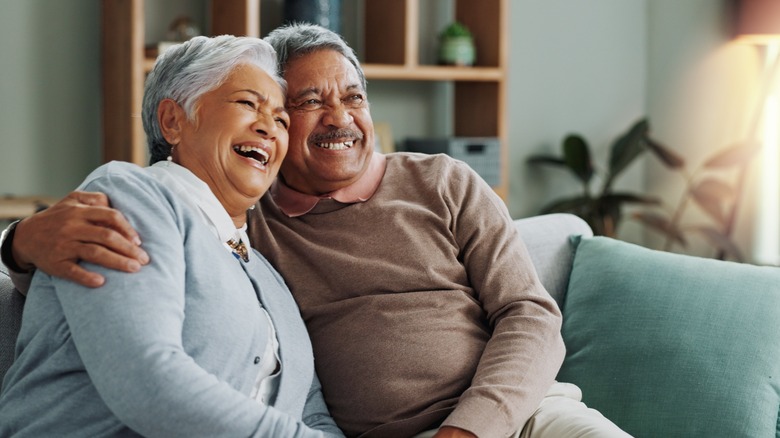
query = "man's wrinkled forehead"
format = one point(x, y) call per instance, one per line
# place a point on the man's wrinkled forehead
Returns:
point(311, 73)
point(317, 91)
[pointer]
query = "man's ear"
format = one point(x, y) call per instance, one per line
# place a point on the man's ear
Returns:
point(171, 117)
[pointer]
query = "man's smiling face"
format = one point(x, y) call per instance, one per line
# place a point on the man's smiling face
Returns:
point(331, 131)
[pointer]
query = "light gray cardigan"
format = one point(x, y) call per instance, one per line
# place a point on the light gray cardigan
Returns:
point(170, 351)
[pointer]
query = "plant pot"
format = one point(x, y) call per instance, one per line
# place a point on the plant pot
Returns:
point(457, 51)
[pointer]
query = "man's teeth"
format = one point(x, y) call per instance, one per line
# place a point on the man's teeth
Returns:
point(253, 152)
point(336, 146)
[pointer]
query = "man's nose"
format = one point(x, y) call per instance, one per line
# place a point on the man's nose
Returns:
point(337, 116)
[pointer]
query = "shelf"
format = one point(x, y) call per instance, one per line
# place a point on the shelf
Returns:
point(148, 64)
point(418, 73)
point(391, 41)
point(12, 208)
point(432, 73)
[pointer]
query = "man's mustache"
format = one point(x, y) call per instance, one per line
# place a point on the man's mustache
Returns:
point(336, 134)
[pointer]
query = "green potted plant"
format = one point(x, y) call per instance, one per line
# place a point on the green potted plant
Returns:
point(603, 209)
point(456, 46)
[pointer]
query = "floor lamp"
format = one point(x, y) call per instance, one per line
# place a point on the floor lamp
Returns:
point(759, 24)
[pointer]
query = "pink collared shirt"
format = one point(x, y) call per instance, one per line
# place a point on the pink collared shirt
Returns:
point(294, 203)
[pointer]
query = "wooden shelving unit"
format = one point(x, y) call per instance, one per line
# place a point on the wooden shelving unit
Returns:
point(125, 67)
point(391, 53)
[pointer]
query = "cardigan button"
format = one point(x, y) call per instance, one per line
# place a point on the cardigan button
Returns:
point(257, 360)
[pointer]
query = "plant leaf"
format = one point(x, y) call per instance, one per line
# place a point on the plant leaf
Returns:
point(608, 214)
point(577, 205)
point(720, 241)
point(546, 160)
point(711, 194)
point(582, 206)
point(576, 155)
point(735, 155)
point(661, 224)
point(631, 198)
point(669, 158)
point(626, 148)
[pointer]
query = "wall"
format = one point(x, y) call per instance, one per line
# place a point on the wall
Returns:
point(588, 67)
point(49, 94)
point(576, 67)
point(701, 97)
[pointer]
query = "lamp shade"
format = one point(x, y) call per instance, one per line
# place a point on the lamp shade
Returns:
point(759, 20)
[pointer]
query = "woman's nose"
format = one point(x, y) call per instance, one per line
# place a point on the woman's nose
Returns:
point(265, 125)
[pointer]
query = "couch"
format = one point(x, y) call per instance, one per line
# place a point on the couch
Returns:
point(665, 345)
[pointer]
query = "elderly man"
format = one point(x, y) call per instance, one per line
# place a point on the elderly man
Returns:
point(423, 306)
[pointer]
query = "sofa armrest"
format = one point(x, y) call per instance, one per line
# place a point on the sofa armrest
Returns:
point(547, 240)
point(11, 305)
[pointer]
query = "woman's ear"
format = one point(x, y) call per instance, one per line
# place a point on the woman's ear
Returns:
point(171, 117)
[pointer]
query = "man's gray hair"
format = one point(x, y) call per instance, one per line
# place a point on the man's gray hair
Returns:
point(187, 71)
point(293, 40)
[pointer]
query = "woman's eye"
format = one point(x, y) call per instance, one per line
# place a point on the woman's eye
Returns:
point(282, 122)
point(248, 103)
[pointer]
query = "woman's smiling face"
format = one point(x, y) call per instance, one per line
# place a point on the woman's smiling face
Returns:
point(238, 138)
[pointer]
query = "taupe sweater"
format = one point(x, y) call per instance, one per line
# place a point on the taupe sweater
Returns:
point(422, 303)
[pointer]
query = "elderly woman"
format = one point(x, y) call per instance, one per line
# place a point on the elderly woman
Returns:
point(177, 350)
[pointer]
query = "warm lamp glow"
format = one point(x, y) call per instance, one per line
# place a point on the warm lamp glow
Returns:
point(767, 233)
point(759, 21)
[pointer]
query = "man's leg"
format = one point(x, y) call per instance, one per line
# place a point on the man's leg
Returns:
point(561, 415)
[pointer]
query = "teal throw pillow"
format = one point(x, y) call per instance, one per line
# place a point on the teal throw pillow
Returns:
point(668, 345)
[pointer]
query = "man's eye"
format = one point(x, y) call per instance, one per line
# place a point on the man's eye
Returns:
point(308, 105)
point(354, 100)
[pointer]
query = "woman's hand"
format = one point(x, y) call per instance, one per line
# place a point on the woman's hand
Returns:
point(81, 226)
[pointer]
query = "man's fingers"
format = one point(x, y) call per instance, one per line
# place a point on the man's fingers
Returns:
point(90, 198)
point(81, 226)
point(102, 214)
point(96, 254)
point(92, 242)
point(115, 220)
point(73, 272)
point(100, 255)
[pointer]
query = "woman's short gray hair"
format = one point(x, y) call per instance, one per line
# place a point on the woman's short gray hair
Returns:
point(186, 71)
point(296, 39)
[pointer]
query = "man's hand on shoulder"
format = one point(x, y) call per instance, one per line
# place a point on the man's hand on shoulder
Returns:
point(453, 432)
point(81, 226)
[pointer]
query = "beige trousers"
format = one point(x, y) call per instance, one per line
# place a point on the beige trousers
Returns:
point(562, 414)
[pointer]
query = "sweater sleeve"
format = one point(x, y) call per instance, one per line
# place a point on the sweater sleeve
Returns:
point(21, 280)
point(315, 412)
point(129, 335)
point(525, 350)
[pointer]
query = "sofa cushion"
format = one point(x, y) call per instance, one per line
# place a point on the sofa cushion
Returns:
point(547, 239)
point(672, 345)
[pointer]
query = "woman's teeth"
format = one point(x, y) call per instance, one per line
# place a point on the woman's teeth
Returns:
point(253, 152)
